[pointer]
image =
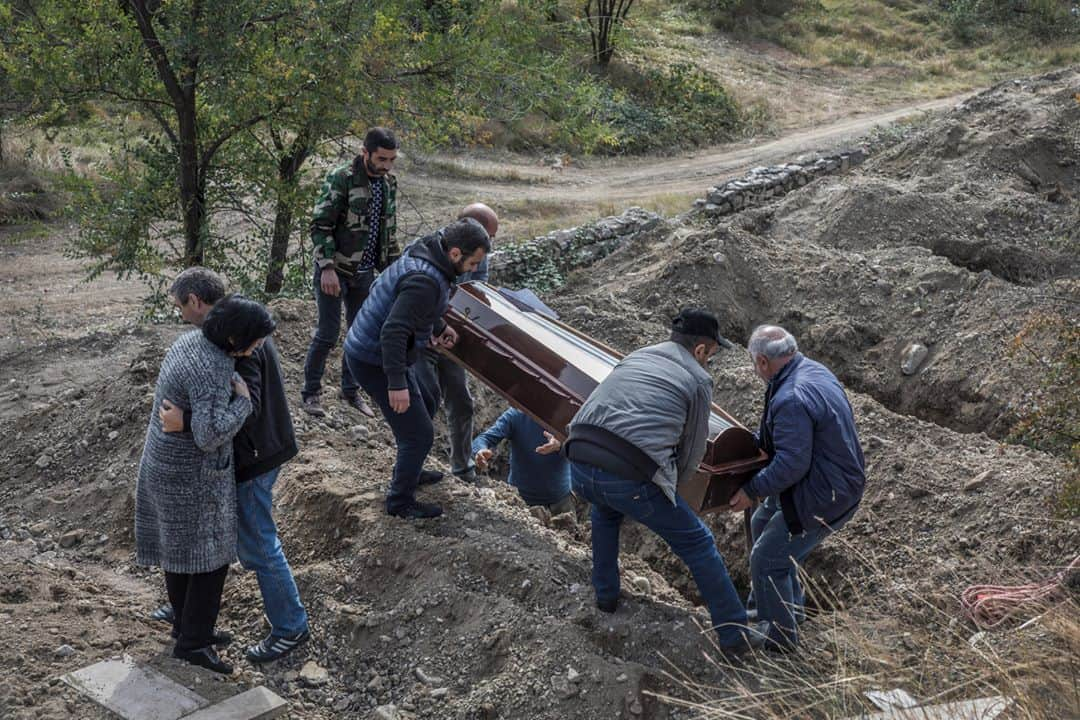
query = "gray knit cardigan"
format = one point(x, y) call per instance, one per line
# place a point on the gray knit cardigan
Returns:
point(185, 497)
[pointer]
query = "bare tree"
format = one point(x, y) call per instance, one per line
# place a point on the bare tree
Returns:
point(605, 17)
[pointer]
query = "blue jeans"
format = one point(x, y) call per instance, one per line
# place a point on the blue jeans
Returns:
point(613, 498)
point(413, 432)
point(259, 549)
point(354, 290)
point(774, 569)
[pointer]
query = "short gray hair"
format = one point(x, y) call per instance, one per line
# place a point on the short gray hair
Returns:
point(772, 341)
point(199, 281)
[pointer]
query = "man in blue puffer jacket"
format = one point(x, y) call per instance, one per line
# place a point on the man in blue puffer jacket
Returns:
point(402, 315)
point(813, 482)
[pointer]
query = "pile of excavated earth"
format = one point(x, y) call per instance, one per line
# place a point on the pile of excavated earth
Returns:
point(911, 276)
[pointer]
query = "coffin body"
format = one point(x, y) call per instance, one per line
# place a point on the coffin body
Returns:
point(548, 369)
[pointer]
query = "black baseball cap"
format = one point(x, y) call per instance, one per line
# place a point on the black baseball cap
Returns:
point(701, 323)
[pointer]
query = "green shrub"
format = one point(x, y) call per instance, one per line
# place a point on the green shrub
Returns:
point(964, 19)
point(1041, 19)
point(681, 106)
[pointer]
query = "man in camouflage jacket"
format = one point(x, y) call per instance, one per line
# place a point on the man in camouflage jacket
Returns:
point(353, 230)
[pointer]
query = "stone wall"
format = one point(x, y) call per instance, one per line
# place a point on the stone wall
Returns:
point(763, 183)
point(543, 262)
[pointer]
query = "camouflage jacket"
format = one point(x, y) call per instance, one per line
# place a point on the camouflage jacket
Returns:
point(339, 224)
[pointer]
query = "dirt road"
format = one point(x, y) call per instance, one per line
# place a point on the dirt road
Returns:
point(628, 181)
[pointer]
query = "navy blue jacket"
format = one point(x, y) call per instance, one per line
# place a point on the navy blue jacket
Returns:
point(404, 307)
point(539, 479)
point(808, 429)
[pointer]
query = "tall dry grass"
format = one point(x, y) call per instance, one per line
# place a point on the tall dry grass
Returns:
point(894, 628)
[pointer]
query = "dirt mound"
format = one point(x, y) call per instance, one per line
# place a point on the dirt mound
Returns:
point(992, 186)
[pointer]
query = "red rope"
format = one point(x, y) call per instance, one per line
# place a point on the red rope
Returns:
point(991, 605)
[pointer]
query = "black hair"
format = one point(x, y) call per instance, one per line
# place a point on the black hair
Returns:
point(467, 235)
point(380, 137)
point(691, 341)
point(199, 281)
point(235, 322)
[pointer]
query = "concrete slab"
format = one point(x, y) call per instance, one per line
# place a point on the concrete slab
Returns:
point(255, 704)
point(134, 691)
point(888, 699)
point(980, 709)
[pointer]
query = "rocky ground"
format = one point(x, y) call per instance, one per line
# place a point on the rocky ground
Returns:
point(955, 240)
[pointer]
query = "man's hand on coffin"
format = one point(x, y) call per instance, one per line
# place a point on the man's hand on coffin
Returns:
point(552, 445)
point(740, 501)
point(447, 338)
point(399, 400)
point(483, 457)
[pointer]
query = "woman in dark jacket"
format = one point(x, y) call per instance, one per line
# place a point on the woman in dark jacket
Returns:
point(185, 497)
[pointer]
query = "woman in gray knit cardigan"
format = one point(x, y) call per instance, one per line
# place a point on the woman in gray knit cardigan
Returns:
point(185, 497)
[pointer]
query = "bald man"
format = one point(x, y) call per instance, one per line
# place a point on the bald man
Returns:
point(447, 381)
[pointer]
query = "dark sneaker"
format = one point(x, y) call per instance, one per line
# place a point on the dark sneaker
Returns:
point(417, 510)
point(313, 407)
point(469, 476)
point(205, 657)
point(221, 638)
point(272, 648)
point(752, 616)
point(429, 477)
point(752, 640)
point(609, 606)
point(163, 614)
point(358, 403)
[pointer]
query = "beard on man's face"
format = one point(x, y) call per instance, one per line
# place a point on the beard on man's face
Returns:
point(371, 169)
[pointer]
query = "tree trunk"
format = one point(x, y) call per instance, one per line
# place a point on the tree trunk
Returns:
point(288, 177)
point(192, 190)
point(279, 245)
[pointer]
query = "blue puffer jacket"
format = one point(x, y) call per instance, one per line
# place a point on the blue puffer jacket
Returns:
point(817, 465)
point(420, 279)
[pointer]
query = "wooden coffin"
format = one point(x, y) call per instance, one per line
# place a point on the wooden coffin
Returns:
point(547, 369)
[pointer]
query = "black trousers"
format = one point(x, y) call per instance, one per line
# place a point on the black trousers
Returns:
point(447, 383)
point(354, 290)
point(196, 601)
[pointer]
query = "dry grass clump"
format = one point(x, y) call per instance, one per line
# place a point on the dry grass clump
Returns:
point(896, 629)
point(24, 197)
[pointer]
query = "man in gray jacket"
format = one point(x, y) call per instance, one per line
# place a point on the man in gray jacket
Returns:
point(641, 433)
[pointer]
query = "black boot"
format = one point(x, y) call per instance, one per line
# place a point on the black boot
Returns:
point(205, 657)
point(417, 510)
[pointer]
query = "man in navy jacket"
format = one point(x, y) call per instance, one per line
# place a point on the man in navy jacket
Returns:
point(402, 315)
point(813, 482)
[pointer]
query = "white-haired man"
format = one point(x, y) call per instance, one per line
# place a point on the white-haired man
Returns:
point(812, 484)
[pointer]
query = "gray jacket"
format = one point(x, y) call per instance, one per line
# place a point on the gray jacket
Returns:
point(185, 495)
point(657, 399)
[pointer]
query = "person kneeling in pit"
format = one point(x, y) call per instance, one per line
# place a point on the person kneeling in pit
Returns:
point(540, 474)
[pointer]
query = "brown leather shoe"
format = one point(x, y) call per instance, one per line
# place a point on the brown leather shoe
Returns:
point(357, 401)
